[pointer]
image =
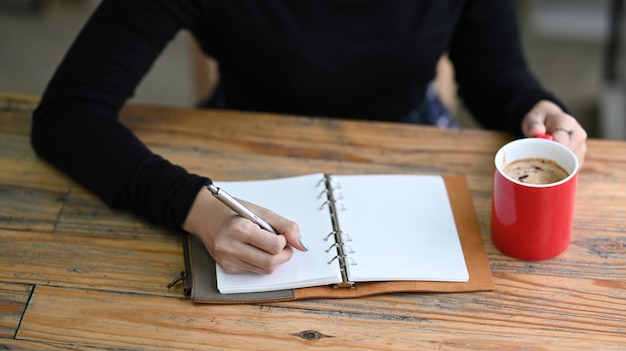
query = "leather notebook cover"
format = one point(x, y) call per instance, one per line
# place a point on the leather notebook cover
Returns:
point(201, 278)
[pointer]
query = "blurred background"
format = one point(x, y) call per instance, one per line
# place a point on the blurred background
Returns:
point(575, 47)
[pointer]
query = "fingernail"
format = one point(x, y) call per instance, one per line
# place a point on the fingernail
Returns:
point(302, 243)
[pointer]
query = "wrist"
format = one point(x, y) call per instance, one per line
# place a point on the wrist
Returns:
point(204, 214)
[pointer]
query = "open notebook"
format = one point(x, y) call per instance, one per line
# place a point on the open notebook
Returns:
point(359, 229)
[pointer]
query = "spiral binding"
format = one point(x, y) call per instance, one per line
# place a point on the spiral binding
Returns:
point(334, 204)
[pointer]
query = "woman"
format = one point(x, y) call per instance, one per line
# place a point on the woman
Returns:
point(368, 59)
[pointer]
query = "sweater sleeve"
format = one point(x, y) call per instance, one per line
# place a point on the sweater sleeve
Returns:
point(75, 127)
point(494, 79)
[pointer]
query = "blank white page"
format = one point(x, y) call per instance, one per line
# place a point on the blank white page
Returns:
point(295, 198)
point(402, 228)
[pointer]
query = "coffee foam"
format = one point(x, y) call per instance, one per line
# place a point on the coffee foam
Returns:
point(535, 171)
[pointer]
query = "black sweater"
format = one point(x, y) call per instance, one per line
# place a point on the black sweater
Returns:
point(366, 59)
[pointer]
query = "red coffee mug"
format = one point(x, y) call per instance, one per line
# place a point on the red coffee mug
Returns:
point(533, 221)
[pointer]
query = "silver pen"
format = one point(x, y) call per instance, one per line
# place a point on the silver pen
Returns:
point(239, 208)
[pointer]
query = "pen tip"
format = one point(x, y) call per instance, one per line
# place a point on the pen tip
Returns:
point(302, 244)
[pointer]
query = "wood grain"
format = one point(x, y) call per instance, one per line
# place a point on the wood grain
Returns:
point(413, 322)
point(13, 299)
point(98, 276)
point(22, 345)
point(30, 207)
point(129, 263)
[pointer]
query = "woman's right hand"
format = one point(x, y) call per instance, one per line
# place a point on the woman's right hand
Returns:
point(237, 244)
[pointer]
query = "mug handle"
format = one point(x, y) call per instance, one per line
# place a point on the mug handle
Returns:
point(545, 136)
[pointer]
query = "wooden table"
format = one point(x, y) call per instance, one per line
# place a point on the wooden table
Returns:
point(75, 274)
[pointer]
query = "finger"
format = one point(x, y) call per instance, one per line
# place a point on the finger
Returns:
point(287, 228)
point(290, 236)
point(534, 124)
point(254, 260)
point(235, 265)
point(566, 130)
point(569, 132)
point(291, 231)
point(537, 121)
point(250, 233)
point(563, 135)
point(535, 130)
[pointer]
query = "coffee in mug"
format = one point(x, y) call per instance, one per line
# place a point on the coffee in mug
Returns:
point(535, 171)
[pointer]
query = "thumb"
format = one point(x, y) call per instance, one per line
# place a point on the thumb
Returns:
point(283, 226)
point(533, 124)
point(291, 231)
point(295, 240)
